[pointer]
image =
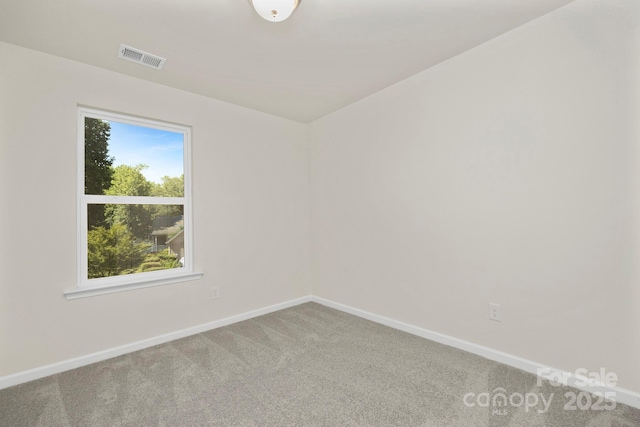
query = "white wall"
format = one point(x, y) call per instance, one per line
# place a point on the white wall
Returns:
point(508, 174)
point(251, 212)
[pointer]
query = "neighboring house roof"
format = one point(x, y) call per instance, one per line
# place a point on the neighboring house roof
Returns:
point(167, 226)
point(179, 233)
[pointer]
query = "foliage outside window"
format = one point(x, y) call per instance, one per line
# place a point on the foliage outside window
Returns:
point(134, 209)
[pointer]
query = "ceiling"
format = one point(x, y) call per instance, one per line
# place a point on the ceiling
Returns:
point(329, 54)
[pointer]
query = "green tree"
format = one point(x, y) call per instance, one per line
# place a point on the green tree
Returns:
point(97, 165)
point(113, 251)
point(172, 186)
point(129, 181)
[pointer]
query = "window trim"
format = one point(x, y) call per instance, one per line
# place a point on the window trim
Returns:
point(86, 287)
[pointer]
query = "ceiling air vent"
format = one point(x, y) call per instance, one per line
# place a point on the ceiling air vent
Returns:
point(141, 57)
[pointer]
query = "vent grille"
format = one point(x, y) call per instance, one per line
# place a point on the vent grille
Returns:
point(141, 57)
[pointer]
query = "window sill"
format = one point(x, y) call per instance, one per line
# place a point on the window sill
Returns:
point(86, 292)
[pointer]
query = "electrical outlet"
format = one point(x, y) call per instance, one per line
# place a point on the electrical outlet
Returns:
point(494, 312)
point(215, 292)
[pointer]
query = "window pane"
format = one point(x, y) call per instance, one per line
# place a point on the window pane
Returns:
point(130, 160)
point(134, 239)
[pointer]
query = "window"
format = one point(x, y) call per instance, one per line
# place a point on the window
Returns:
point(134, 204)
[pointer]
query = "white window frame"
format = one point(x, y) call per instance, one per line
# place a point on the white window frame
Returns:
point(91, 287)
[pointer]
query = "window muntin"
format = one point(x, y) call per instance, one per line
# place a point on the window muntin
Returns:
point(134, 204)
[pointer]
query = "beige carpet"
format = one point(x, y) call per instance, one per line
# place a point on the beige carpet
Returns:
point(304, 366)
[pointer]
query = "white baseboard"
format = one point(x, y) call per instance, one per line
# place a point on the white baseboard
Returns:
point(621, 395)
point(618, 394)
point(55, 368)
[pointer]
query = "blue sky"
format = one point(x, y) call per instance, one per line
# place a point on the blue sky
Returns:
point(161, 150)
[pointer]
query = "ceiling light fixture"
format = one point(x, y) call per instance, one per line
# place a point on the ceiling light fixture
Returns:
point(275, 10)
